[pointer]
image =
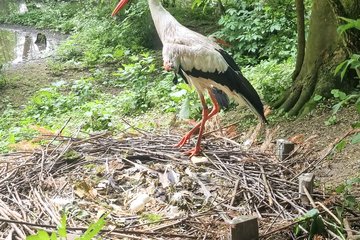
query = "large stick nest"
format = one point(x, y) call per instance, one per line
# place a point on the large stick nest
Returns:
point(148, 186)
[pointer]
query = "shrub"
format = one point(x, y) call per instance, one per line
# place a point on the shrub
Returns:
point(260, 30)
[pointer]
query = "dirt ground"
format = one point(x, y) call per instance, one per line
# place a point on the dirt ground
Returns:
point(339, 165)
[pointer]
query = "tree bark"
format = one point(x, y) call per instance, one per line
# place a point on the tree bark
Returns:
point(325, 49)
point(300, 20)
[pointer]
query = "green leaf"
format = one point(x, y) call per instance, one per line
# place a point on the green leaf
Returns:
point(335, 92)
point(317, 227)
point(152, 217)
point(53, 236)
point(340, 146)
point(355, 139)
point(41, 235)
point(185, 109)
point(317, 98)
point(340, 189)
point(350, 201)
point(331, 121)
point(339, 211)
point(339, 67)
point(94, 229)
point(357, 104)
point(309, 214)
point(62, 227)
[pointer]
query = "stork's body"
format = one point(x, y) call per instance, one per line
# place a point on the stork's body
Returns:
point(203, 64)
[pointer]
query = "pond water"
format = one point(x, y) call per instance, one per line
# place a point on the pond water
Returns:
point(18, 44)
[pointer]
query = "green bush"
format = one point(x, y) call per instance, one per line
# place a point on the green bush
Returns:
point(260, 30)
point(2, 78)
point(270, 78)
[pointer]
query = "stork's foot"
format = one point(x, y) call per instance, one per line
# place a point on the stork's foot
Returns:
point(184, 140)
point(193, 152)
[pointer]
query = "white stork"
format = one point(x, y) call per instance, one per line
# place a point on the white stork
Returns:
point(203, 64)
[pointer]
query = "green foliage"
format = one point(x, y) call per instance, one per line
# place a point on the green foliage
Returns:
point(260, 30)
point(354, 61)
point(54, 15)
point(345, 190)
point(59, 98)
point(312, 221)
point(342, 100)
point(144, 86)
point(270, 78)
point(187, 98)
point(93, 230)
point(2, 78)
point(98, 117)
point(350, 23)
point(152, 217)
point(204, 4)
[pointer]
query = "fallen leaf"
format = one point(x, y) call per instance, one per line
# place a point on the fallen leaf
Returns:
point(267, 110)
point(297, 139)
point(83, 189)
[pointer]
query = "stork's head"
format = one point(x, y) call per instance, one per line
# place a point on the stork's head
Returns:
point(171, 58)
point(118, 7)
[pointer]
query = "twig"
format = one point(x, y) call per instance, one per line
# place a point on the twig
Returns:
point(347, 228)
point(234, 192)
point(266, 184)
point(329, 212)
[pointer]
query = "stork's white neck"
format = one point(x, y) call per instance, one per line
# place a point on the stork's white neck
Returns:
point(164, 22)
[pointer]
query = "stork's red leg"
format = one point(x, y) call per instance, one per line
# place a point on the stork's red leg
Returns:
point(214, 111)
point(205, 116)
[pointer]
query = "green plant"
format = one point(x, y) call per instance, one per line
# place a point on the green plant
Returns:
point(345, 190)
point(344, 99)
point(270, 78)
point(354, 61)
point(93, 230)
point(2, 77)
point(186, 97)
point(350, 23)
point(151, 217)
point(260, 30)
point(98, 117)
point(312, 221)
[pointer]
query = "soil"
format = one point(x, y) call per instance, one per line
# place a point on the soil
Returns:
point(339, 165)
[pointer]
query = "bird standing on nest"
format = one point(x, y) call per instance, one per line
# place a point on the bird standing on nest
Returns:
point(202, 63)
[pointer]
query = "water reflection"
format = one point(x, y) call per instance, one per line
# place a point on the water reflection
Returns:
point(17, 45)
point(7, 46)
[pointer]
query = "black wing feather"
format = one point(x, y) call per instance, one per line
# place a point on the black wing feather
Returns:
point(235, 81)
point(220, 96)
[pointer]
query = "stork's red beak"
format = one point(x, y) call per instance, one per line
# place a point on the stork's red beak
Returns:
point(120, 5)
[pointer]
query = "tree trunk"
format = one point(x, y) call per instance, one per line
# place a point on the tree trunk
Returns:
point(325, 49)
point(300, 22)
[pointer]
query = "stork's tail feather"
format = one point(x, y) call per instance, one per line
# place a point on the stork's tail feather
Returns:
point(221, 98)
point(238, 83)
point(247, 93)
